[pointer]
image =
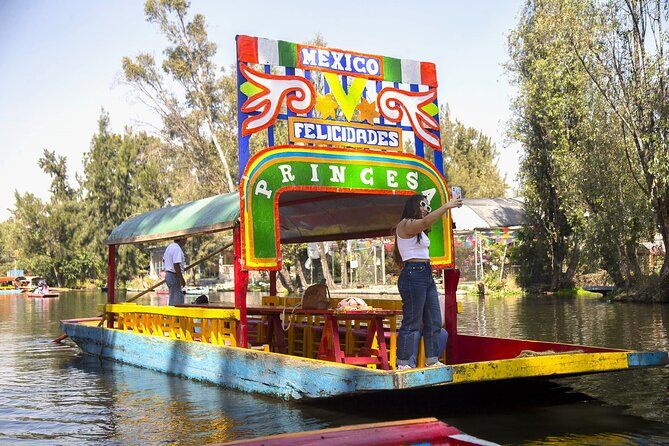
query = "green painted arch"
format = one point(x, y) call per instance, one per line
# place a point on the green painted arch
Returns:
point(277, 170)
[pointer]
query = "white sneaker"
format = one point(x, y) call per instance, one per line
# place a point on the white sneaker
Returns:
point(436, 364)
point(404, 367)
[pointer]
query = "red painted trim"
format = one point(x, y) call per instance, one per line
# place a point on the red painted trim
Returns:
point(332, 238)
point(247, 49)
point(481, 348)
point(425, 431)
point(241, 287)
point(451, 279)
point(111, 279)
point(428, 74)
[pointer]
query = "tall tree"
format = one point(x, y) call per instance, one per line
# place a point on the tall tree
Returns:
point(120, 180)
point(200, 115)
point(629, 64)
point(546, 119)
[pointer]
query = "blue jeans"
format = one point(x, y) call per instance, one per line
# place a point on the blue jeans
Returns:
point(420, 309)
point(443, 340)
point(174, 285)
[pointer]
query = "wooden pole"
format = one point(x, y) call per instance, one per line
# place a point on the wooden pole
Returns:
point(451, 279)
point(241, 287)
point(383, 261)
point(272, 283)
point(111, 280)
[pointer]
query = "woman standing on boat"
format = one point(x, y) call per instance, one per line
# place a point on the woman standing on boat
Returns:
point(420, 302)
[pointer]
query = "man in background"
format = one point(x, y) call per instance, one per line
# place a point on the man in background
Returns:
point(173, 263)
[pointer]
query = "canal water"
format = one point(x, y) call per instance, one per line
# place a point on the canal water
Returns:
point(54, 394)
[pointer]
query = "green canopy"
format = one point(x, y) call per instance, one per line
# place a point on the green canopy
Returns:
point(210, 214)
point(304, 217)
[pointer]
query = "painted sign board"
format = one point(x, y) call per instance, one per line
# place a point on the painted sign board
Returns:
point(357, 123)
point(336, 97)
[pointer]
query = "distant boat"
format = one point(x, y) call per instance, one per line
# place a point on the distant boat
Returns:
point(43, 295)
point(8, 286)
point(196, 290)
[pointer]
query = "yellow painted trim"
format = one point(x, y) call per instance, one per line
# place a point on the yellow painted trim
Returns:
point(539, 366)
point(193, 312)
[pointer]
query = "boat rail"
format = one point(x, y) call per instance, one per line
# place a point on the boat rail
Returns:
point(209, 325)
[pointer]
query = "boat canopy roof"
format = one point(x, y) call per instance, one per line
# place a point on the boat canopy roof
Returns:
point(304, 216)
point(210, 214)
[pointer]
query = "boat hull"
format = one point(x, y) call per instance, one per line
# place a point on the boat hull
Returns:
point(297, 378)
point(43, 295)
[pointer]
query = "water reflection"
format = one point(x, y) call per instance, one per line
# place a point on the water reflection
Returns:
point(54, 394)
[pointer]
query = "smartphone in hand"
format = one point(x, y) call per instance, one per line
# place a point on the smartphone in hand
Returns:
point(456, 192)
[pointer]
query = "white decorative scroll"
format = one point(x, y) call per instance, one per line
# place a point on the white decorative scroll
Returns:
point(298, 93)
point(394, 103)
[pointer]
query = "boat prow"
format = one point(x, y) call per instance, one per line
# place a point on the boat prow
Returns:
point(424, 431)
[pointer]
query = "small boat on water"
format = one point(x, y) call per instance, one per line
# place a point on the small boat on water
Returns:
point(43, 295)
point(8, 286)
point(424, 431)
point(196, 290)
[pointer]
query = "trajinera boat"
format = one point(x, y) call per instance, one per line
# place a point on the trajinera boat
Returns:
point(363, 134)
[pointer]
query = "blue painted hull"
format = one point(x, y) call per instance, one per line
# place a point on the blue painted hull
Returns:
point(273, 374)
point(292, 377)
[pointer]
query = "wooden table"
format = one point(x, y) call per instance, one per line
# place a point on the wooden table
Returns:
point(330, 346)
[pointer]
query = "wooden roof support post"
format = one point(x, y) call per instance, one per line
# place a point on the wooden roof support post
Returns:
point(272, 283)
point(241, 287)
point(451, 279)
point(111, 279)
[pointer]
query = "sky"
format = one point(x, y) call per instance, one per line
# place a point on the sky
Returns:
point(60, 64)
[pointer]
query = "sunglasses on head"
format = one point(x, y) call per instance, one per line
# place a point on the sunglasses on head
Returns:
point(424, 205)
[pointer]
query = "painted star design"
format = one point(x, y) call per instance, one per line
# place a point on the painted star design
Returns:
point(367, 111)
point(326, 106)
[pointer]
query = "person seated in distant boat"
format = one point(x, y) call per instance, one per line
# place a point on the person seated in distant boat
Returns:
point(174, 263)
point(42, 287)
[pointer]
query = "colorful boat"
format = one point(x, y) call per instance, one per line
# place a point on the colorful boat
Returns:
point(336, 180)
point(196, 290)
point(8, 286)
point(422, 431)
point(48, 294)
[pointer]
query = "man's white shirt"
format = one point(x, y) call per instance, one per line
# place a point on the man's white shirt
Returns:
point(173, 254)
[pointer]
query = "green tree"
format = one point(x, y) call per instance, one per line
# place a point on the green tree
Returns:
point(199, 115)
point(628, 63)
point(120, 180)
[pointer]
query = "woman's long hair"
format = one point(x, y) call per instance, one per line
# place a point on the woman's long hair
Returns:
point(411, 211)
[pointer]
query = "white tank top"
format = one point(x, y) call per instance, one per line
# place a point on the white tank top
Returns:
point(411, 249)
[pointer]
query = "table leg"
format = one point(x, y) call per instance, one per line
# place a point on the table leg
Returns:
point(275, 336)
point(381, 336)
point(330, 336)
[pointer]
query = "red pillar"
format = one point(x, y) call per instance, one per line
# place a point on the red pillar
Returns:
point(272, 283)
point(111, 279)
point(241, 287)
point(451, 279)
